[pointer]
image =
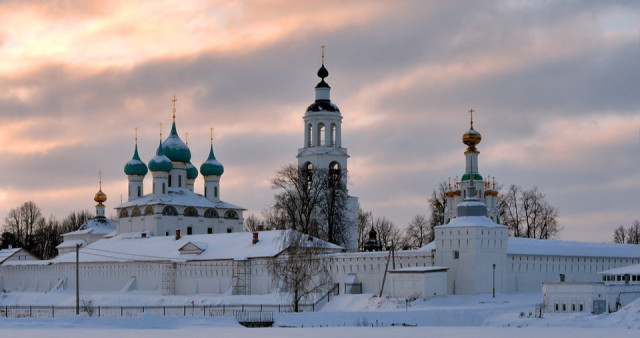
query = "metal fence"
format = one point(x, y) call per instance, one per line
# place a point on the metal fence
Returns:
point(45, 311)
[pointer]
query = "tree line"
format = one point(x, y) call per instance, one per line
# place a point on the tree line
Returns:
point(26, 227)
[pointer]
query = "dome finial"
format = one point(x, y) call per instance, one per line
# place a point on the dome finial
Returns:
point(160, 131)
point(100, 196)
point(186, 138)
point(174, 107)
point(471, 112)
point(212, 136)
point(322, 54)
point(136, 135)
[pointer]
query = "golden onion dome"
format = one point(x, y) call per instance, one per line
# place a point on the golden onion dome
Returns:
point(100, 197)
point(471, 138)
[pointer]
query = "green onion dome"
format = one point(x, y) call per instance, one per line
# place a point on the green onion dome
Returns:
point(135, 166)
point(160, 162)
point(192, 172)
point(466, 177)
point(211, 166)
point(175, 149)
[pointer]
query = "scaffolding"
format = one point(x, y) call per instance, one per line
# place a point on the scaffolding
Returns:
point(169, 279)
point(241, 277)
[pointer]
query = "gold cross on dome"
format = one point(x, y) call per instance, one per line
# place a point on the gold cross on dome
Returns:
point(136, 132)
point(323, 46)
point(160, 131)
point(186, 138)
point(211, 135)
point(100, 178)
point(174, 107)
point(471, 112)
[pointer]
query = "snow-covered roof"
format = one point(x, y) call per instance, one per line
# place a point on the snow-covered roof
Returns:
point(165, 248)
point(629, 269)
point(6, 253)
point(530, 246)
point(71, 243)
point(98, 225)
point(420, 269)
point(428, 247)
point(469, 221)
point(179, 196)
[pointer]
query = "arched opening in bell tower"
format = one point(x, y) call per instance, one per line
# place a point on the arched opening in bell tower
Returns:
point(321, 136)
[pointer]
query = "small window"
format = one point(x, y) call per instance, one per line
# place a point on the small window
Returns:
point(179, 181)
point(164, 190)
point(557, 307)
point(205, 192)
point(189, 231)
point(169, 180)
point(573, 307)
point(564, 307)
point(209, 230)
point(139, 191)
point(581, 308)
point(215, 191)
point(229, 230)
point(456, 254)
point(135, 212)
point(148, 210)
point(166, 233)
point(124, 213)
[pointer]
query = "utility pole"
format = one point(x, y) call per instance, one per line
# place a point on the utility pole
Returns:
point(77, 279)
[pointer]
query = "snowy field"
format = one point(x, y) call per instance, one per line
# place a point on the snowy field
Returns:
point(344, 316)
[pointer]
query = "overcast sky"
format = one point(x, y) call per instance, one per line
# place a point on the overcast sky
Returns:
point(554, 83)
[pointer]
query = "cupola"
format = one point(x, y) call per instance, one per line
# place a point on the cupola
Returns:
point(160, 162)
point(211, 166)
point(192, 171)
point(174, 148)
point(135, 166)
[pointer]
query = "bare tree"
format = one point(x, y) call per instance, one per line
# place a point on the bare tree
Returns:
point(437, 206)
point(388, 235)
point(22, 222)
point(633, 233)
point(310, 200)
point(417, 233)
point(251, 223)
point(363, 221)
point(301, 270)
point(620, 235)
point(528, 214)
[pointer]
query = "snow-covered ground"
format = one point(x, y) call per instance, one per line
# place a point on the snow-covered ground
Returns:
point(344, 316)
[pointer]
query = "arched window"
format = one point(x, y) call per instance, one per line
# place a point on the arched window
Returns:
point(307, 170)
point(334, 172)
point(321, 136)
point(148, 210)
point(124, 213)
point(211, 213)
point(169, 211)
point(333, 135)
point(191, 212)
point(231, 214)
point(135, 212)
point(309, 138)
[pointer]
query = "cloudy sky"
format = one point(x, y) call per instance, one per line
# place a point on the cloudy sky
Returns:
point(554, 83)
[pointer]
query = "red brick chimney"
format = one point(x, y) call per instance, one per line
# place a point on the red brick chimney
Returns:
point(144, 235)
point(177, 234)
point(255, 237)
point(260, 227)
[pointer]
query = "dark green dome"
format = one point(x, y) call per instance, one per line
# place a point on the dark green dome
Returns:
point(211, 166)
point(160, 162)
point(192, 172)
point(175, 149)
point(135, 166)
point(466, 177)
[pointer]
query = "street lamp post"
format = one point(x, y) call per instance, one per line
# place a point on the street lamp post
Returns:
point(494, 281)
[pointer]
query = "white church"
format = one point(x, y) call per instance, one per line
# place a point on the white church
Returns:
point(176, 242)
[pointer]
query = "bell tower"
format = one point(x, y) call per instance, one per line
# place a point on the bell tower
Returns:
point(322, 147)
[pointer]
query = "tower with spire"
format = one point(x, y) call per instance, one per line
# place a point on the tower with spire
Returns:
point(471, 243)
point(322, 146)
point(173, 205)
point(483, 189)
